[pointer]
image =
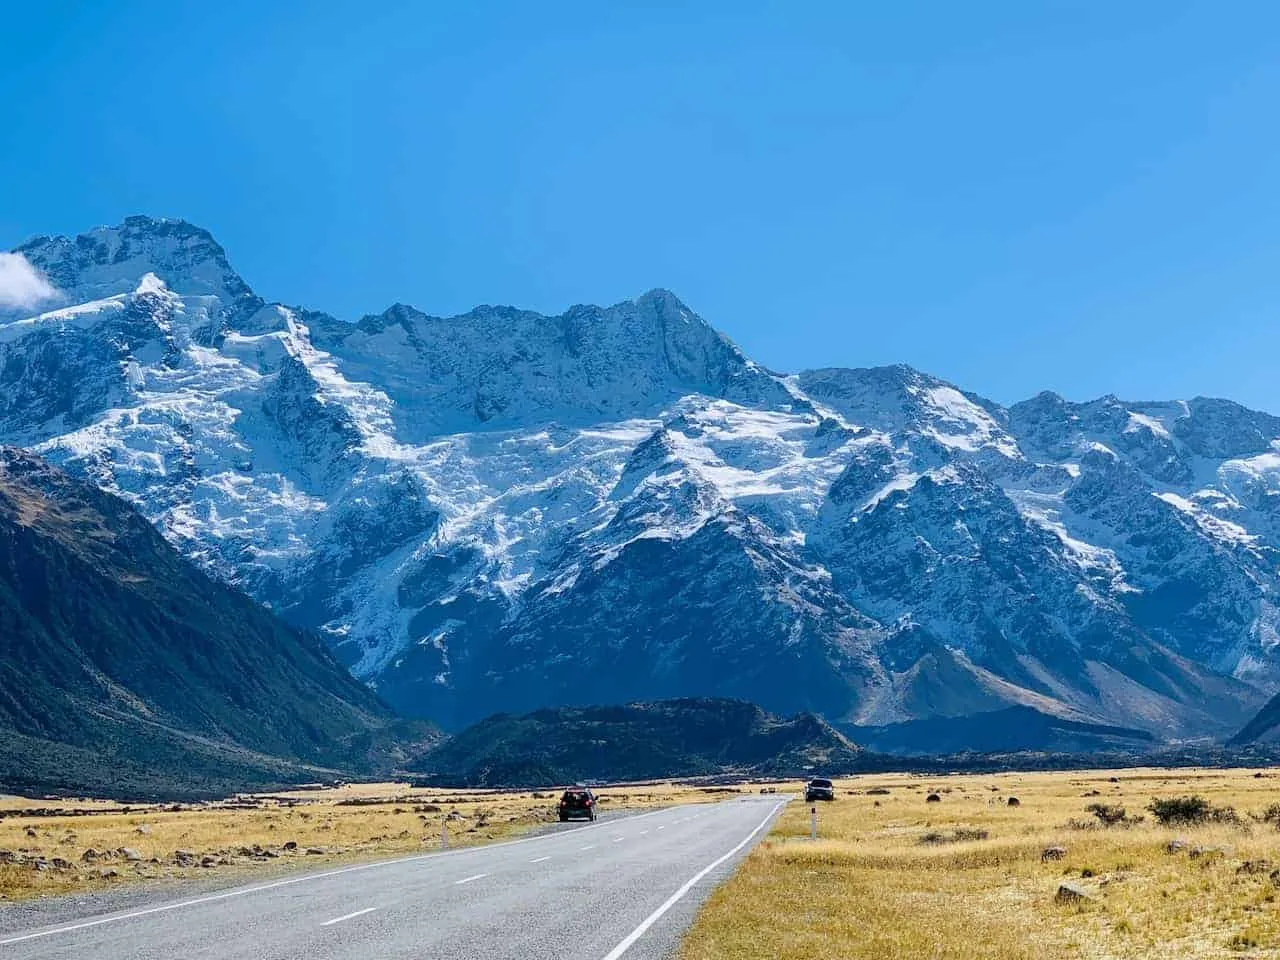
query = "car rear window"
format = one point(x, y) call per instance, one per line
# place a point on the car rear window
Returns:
point(822, 783)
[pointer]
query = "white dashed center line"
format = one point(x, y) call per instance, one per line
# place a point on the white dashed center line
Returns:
point(590, 846)
point(469, 879)
point(349, 916)
point(539, 859)
point(618, 839)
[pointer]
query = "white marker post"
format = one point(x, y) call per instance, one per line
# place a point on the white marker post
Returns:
point(444, 834)
point(813, 822)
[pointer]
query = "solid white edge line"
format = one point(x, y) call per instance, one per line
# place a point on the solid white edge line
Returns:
point(245, 891)
point(478, 876)
point(349, 916)
point(675, 898)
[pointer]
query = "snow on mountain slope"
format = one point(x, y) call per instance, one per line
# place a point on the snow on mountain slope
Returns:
point(503, 510)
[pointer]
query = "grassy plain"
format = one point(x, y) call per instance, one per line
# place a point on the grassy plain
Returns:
point(966, 878)
point(51, 847)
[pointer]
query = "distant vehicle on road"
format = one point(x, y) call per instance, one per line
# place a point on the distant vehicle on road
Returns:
point(578, 803)
point(819, 789)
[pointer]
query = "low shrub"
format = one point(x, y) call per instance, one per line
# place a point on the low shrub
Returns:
point(1107, 815)
point(1112, 815)
point(959, 835)
point(1190, 810)
point(1271, 814)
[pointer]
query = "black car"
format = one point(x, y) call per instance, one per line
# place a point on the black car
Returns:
point(578, 803)
point(819, 789)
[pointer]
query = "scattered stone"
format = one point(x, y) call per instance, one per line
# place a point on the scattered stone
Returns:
point(1053, 853)
point(1015, 802)
point(208, 861)
point(31, 832)
point(90, 856)
point(933, 798)
point(291, 845)
point(314, 851)
point(107, 874)
point(1071, 893)
point(1255, 866)
point(133, 856)
point(40, 865)
point(143, 830)
point(7, 856)
point(1175, 846)
point(1086, 873)
point(184, 858)
point(61, 864)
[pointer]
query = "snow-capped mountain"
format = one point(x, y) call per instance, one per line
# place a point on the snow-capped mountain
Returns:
point(504, 510)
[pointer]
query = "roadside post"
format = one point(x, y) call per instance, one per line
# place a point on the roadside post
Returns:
point(444, 833)
point(813, 822)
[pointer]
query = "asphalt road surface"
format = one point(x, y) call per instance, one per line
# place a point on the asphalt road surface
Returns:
point(626, 887)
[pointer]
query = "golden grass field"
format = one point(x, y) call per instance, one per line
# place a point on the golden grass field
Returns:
point(248, 837)
point(875, 885)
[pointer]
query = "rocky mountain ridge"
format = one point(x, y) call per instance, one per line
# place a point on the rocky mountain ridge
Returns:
point(503, 511)
point(689, 737)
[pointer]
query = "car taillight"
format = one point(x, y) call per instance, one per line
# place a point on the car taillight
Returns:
point(588, 803)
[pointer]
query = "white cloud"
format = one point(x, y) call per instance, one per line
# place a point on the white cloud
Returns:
point(22, 286)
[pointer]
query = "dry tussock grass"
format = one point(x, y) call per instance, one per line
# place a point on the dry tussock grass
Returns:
point(252, 835)
point(888, 878)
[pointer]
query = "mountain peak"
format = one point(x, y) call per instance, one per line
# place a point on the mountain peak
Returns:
point(110, 260)
point(663, 301)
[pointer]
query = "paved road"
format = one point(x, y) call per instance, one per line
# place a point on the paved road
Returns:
point(621, 888)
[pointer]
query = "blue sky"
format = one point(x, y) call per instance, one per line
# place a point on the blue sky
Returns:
point(1019, 196)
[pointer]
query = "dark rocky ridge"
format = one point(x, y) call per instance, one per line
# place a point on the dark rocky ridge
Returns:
point(638, 741)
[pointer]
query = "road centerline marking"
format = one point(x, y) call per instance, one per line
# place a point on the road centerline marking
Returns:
point(590, 846)
point(477, 876)
point(539, 859)
point(305, 878)
point(349, 916)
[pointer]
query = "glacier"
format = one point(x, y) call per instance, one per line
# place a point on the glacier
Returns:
point(504, 510)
